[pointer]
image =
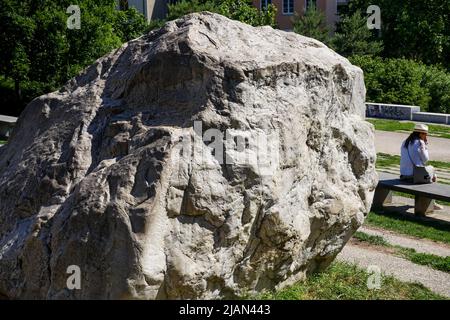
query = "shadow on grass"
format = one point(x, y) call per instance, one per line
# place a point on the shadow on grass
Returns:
point(400, 214)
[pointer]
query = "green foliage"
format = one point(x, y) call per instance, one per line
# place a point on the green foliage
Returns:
point(416, 30)
point(155, 24)
point(184, 7)
point(437, 81)
point(244, 11)
point(312, 24)
point(39, 53)
point(130, 24)
point(405, 82)
point(352, 37)
point(241, 10)
point(96, 37)
point(393, 80)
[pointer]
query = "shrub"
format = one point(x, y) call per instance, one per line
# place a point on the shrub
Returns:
point(437, 81)
point(394, 80)
point(410, 29)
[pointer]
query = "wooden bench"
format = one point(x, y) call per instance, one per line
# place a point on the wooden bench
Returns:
point(425, 194)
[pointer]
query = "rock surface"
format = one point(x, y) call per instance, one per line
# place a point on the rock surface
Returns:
point(108, 174)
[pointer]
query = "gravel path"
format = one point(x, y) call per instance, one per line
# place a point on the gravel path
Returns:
point(401, 269)
point(390, 142)
point(420, 245)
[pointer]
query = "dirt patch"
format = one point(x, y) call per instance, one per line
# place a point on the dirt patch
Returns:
point(366, 245)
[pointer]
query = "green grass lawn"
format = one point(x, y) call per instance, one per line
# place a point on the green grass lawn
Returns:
point(2, 142)
point(374, 240)
point(343, 281)
point(410, 225)
point(429, 260)
point(387, 160)
point(405, 126)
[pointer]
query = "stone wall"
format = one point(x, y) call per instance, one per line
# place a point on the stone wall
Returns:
point(390, 111)
point(431, 117)
point(404, 112)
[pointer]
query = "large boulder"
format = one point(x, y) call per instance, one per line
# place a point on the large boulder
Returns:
point(206, 159)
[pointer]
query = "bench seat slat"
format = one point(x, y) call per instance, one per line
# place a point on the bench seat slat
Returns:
point(436, 191)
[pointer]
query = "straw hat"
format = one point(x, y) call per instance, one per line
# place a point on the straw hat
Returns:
point(421, 128)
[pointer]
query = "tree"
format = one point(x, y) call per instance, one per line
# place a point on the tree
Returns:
point(38, 53)
point(354, 38)
point(244, 11)
point(416, 30)
point(16, 34)
point(312, 24)
point(130, 24)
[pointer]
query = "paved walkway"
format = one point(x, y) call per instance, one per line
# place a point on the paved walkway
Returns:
point(420, 245)
point(400, 268)
point(365, 255)
point(390, 142)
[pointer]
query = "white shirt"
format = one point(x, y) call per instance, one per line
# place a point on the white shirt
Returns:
point(418, 151)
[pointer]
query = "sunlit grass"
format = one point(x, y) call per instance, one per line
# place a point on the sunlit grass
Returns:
point(426, 259)
point(402, 126)
point(344, 281)
point(412, 226)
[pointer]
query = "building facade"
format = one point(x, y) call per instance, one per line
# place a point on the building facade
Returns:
point(151, 9)
point(286, 10)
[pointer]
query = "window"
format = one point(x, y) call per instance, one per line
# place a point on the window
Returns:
point(288, 6)
point(265, 3)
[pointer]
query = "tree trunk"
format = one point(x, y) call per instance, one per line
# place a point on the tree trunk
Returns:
point(17, 89)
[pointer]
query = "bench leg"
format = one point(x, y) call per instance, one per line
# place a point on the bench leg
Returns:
point(423, 205)
point(382, 196)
